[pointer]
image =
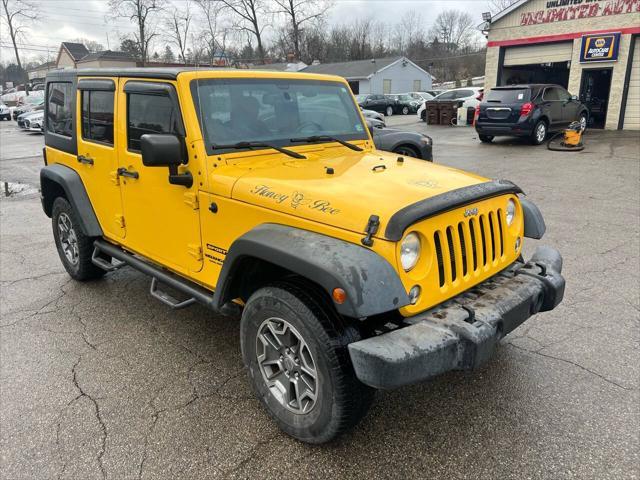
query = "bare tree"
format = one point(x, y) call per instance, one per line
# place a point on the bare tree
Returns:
point(453, 28)
point(141, 12)
point(215, 31)
point(17, 14)
point(300, 12)
point(496, 6)
point(178, 24)
point(250, 16)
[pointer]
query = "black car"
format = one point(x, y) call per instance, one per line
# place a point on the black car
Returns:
point(408, 144)
point(527, 111)
point(378, 103)
point(404, 103)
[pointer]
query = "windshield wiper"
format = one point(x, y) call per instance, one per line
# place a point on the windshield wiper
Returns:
point(326, 138)
point(239, 145)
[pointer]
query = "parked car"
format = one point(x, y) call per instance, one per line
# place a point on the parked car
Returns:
point(468, 97)
point(34, 122)
point(528, 111)
point(377, 117)
point(408, 144)
point(28, 104)
point(379, 103)
point(420, 96)
point(5, 113)
point(404, 103)
point(434, 93)
point(24, 116)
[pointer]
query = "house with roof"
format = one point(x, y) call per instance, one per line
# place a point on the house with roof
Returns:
point(107, 59)
point(70, 53)
point(37, 74)
point(378, 75)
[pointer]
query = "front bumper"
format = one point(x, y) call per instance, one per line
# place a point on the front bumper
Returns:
point(461, 333)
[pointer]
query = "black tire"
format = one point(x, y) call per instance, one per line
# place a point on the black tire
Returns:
point(583, 119)
point(423, 115)
point(389, 111)
point(536, 137)
point(342, 401)
point(405, 110)
point(407, 151)
point(79, 266)
point(486, 138)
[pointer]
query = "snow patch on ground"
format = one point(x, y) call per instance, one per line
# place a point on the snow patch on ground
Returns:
point(15, 189)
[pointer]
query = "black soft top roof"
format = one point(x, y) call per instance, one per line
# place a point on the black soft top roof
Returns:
point(167, 73)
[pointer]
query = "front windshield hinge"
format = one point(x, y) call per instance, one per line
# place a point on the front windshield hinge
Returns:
point(370, 230)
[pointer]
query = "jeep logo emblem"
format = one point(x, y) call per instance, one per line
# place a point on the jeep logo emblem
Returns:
point(470, 212)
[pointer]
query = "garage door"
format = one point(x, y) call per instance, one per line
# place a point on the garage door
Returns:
point(536, 54)
point(632, 109)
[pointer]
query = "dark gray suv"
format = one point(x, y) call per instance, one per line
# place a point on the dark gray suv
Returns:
point(527, 111)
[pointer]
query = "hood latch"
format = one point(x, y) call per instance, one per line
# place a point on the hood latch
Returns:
point(370, 230)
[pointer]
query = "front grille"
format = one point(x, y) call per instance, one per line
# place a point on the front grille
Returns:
point(470, 246)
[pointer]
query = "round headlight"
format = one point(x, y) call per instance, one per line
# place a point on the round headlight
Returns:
point(410, 251)
point(511, 211)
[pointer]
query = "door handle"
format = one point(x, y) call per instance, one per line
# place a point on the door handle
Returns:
point(85, 160)
point(123, 172)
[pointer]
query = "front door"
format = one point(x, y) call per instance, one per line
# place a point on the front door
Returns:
point(552, 107)
point(162, 219)
point(594, 93)
point(97, 159)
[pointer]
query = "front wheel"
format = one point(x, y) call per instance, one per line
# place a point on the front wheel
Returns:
point(405, 110)
point(74, 247)
point(582, 120)
point(539, 133)
point(296, 354)
point(389, 111)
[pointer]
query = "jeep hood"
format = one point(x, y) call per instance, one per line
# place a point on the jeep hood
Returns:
point(362, 184)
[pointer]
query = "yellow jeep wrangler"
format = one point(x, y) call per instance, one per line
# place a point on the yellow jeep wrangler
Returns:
point(263, 193)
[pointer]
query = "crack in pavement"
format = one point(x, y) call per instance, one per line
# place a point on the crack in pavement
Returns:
point(564, 360)
point(98, 415)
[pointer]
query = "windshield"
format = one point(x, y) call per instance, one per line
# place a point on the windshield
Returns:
point(274, 111)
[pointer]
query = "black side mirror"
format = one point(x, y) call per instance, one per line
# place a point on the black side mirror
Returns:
point(165, 150)
point(160, 150)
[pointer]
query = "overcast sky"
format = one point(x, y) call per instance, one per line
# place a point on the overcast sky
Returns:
point(70, 19)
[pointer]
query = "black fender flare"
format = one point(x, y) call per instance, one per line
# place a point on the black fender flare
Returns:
point(370, 282)
point(534, 226)
point(56, 179)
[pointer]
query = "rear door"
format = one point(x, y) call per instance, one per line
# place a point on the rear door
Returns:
point(552, 106)
point(97, 158)
point(503, 105)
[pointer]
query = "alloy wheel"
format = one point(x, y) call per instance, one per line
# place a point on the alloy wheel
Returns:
point(68, 238)
point(583, 123)
point(287, 365)
point(541, 132)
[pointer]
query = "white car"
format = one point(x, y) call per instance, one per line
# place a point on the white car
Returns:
point(33, 123)
point(5, 113)
point(470, 97)
point(420, 96)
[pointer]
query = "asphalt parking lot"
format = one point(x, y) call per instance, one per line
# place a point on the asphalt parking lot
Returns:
point(98, 380)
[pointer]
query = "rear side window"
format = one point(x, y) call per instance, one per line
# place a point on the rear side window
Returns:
point(59, 100)
point(149, 114)
point(97, 116)
point(550, 94)
point(510, 95)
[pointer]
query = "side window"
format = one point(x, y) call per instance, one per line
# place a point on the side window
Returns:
point(97, 116)
point(447, 96)
point(386, 85)
point(563, 94)
point(464, 93)
point(550, 95)
point(59, 99)
point(149, 114)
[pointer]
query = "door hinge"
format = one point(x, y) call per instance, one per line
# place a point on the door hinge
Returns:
point(120, 220)
point(195, 251)
point(191, 199)
point(114, 177)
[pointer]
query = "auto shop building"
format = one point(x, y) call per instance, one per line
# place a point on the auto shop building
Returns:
point(591, 47)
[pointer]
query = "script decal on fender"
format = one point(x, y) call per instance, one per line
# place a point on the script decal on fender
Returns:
point(296, 200)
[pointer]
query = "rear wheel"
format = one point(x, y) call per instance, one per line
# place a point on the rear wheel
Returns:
point(295, 350)
point(486, 138)
point(74, 247)
point(389, 111)
point(539, 133)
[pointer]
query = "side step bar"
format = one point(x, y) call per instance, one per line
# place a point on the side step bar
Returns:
point(194, 292)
